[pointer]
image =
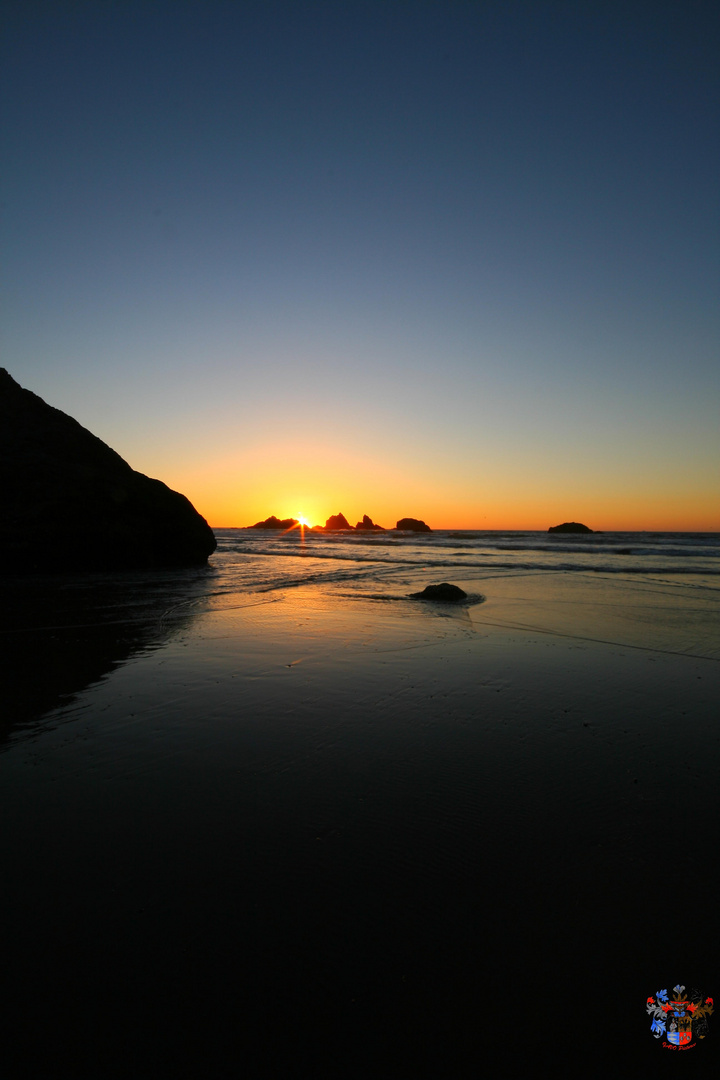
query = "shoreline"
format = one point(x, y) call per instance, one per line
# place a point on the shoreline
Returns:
point(357, 823)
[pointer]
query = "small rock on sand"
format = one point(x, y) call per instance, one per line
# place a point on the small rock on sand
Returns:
point(445, 592)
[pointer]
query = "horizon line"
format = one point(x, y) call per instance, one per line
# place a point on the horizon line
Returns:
point(477, 528)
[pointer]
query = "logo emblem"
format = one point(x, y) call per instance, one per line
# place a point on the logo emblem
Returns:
point(681, 1018)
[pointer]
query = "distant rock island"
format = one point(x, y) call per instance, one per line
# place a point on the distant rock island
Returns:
point(570, 527)
point(368, 525)
point(339, 523)
point(275, 523)
point(69, 502)
point(412, 525)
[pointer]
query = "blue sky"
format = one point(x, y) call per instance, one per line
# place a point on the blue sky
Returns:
point(308, 257)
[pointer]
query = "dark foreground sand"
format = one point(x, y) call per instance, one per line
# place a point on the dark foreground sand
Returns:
point(313, 834)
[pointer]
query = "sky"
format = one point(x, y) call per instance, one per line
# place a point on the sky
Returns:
point(450, 260)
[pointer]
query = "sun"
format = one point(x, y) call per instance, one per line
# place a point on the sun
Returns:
point(304, 522)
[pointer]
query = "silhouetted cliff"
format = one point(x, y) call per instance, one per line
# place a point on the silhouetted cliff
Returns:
point(69, 502)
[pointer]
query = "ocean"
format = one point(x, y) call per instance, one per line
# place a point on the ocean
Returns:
point(383, 557)
point(274, 815)
point(651, 590)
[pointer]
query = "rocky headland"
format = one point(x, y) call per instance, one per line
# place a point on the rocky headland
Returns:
point(70, 502)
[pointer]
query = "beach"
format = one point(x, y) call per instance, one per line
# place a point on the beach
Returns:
point(279, 817)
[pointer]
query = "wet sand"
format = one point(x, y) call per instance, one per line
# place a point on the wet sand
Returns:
point(312, 831)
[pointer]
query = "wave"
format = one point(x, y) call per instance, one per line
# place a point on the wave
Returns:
point(251, 555)
point(652, 569)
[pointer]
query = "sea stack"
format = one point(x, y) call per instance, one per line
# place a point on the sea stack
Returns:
point(275, 523)
point(412, 525)
point(72, 503)
point(570, 527)
point(368, 525)
point(337, 523)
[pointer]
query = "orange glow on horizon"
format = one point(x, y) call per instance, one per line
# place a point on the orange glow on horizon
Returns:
point(519, 518)
point(529, 512)
point(601, 515)
point(242, 488)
